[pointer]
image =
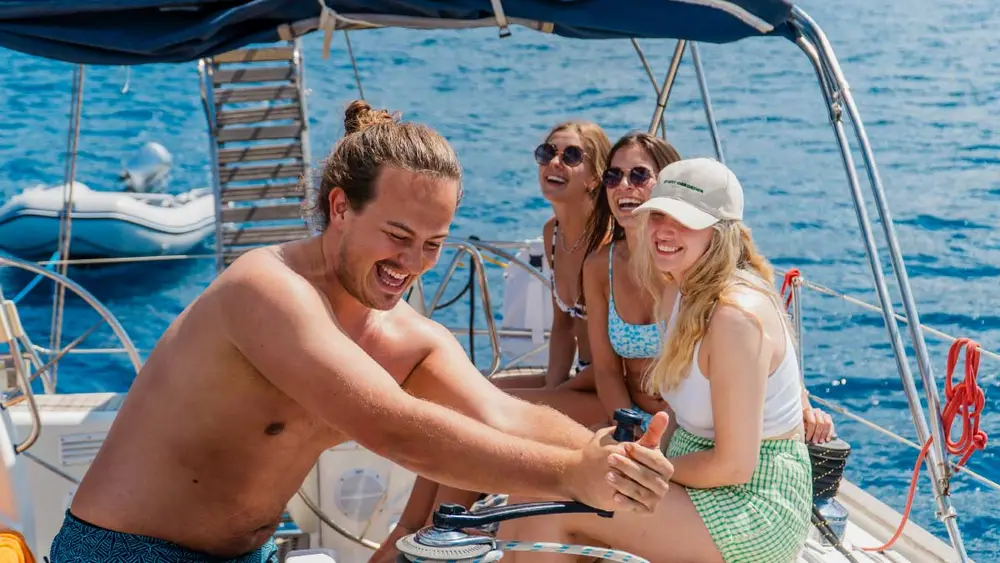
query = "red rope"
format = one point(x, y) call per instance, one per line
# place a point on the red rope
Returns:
point(965, 398)
point(790, 277)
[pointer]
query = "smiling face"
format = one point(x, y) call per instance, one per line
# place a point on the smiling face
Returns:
point(565, 178)
point(676, 248)
point(628, 182)
point(397, 236)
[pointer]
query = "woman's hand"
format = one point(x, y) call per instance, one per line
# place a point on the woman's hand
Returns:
point(818, 425)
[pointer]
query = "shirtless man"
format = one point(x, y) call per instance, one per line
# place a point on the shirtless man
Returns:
point(299, 347)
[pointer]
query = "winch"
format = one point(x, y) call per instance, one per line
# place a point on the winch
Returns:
point(455, 537)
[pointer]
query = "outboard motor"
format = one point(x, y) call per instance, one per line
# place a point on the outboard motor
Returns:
point(148, 170)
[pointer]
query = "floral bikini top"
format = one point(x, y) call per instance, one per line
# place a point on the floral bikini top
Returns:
point(629, 340)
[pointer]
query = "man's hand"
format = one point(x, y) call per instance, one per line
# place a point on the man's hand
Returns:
point(818, 425)
point(639, 473)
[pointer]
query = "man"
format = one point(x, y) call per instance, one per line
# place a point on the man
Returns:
point(299, 347)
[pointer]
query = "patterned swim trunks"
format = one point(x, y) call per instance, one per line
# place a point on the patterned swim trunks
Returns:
point(82, 542)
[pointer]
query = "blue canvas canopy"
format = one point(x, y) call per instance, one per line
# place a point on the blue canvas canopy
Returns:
point(126, 32)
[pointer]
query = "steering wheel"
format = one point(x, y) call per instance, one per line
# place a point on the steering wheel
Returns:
point(27, 361)
point(450, 538)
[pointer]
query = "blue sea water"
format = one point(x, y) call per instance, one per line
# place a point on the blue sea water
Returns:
point(926, 76)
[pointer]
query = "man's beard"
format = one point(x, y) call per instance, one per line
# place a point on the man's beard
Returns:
point(355, 285)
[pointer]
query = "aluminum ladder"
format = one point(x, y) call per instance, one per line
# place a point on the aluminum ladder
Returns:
point(254, 101)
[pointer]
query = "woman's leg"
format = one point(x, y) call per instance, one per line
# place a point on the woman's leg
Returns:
point(582, 406)
point(534, 381)
point(583, 381)
point(674, 533)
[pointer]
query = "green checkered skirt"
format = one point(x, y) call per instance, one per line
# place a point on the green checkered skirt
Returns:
point(765, 520)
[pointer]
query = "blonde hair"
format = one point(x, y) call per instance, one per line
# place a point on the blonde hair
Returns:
point(731, 258)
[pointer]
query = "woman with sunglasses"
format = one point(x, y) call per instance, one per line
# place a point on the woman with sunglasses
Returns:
point(570, 162)
point(622, 332)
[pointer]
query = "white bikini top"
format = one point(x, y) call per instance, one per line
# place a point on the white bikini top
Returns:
point(691, 400)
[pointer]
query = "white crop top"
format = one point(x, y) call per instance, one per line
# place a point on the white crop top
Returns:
point(691, 400)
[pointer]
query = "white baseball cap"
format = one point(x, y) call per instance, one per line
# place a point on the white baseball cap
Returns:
point(697, 192)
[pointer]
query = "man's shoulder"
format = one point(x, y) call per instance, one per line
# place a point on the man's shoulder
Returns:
point(262, 269)
point(262, 277)
point(416, 329)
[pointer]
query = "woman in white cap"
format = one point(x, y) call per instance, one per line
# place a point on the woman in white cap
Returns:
point(741, 488)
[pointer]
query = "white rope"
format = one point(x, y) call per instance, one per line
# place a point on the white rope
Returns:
point(328, 20)
point(806, 283)
point(496, 553)
point(874, 308)
point(569, 549)
point(328, 23)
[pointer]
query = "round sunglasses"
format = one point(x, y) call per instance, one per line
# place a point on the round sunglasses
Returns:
point(639, 177)
point(571, 155)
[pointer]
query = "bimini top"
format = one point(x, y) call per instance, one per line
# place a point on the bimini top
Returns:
point(128, 32)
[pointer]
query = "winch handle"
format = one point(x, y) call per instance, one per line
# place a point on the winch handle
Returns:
point(628, 424)
point(456, 516)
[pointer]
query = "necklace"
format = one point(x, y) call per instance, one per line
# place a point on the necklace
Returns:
point(576, 244)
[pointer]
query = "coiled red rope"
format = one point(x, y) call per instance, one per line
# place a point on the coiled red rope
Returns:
point(964, 399)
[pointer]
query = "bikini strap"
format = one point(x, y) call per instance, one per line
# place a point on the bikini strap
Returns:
point(611, 267)
point(552, 256)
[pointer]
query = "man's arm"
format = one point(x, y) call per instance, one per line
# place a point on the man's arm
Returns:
point(284, 327)
point(448, 378)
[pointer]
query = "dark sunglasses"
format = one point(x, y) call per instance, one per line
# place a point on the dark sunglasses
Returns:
point(571, 155)
point(640, 177)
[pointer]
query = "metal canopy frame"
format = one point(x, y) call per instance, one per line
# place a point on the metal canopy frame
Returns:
point(811, 39)
point(837, 94)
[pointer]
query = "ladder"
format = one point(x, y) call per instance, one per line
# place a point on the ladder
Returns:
point(254, 101)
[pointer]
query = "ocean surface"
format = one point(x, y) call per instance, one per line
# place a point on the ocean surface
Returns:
point(925, 74)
